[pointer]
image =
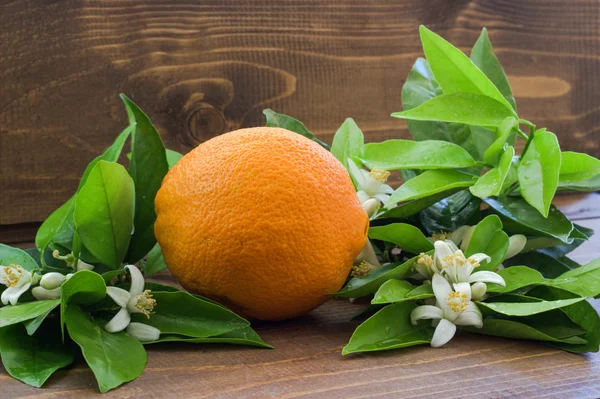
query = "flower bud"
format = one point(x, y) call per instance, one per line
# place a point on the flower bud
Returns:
point(143, 332)
point(466, 238)
point(478, 290)
point(516, 244)
point(42, 294)
point(68, 276)
point(371, 206)
point(81, 265)
point(52, 280)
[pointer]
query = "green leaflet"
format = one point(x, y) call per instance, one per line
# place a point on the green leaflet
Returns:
point(591, 184)
point(518, 330)
point(84, 287)
point(491, 183)
point(452, 212)
point(10, 255)
point(527, 308)
point(407, 154)
point(242, 336)
point(429, 183)
point(489, 238)
point(390, 328)
point(460, 107)
point(115, 358)
point(539, 170)
point(172, 157)
point(454, 71)
point(547, 266)
point(347, 142)
point(10, 315)
point(155, 262)
point(104, 213)
point(275, 119)
point(393, 291)
point(406, 236)
point(576, 167)
point(147, 168)
point(493, 153)
point(410, 208)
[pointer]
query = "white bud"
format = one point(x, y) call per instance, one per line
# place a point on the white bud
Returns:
point(42, 294)
point(68, 276)
point(466, 238)
point(52, 280)
point(371, 206)
point(516, 244)
point(81, 265)
point(478, 290)
point(143, 332)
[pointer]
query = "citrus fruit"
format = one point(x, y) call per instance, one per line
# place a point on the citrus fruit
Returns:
point(262, 220)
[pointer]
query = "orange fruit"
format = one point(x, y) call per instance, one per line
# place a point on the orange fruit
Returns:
point(262, 220)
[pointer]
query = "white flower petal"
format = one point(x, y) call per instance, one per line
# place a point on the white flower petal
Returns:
point(6, 294)
point(119, 322)
point(466, 238)
point(81, 265)
point(444, 332)
point(480, 257)
point(359, 177)
point(362, 196)
point(119, 295)
point(370, 206)
point(457, 235)
point(385, 189)
point(487, 277)
point(42, 294)
point(470, 317)
point(143, 332)
point(441, 290)
point(516, 244)
point(464, 288)
point(478, 290)
point(14, 293)
point(368, 254)
point(425, 312)
point(383, 198)
point(137, 280)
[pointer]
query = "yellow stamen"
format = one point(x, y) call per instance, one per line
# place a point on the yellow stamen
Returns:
point(442, 236)
point(457, 301)
point(13, 275)
point(425, 259)
point(362, 270)
point(380, 175)
point(145, 303)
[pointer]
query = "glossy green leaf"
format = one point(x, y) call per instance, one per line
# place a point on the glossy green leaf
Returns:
point(512, 175)
point(347, 142)
point(393, 291)
point(576, 167)
point(491, 183)
point(527, 308)
point(519, 217)
point(243, 336)
point(15, 256)
point(390, 328)
point(460, 107)
point(172, 157)
point(362, 286)
point(155, 262)
point(407, 154)
point(104, 212)
point(591, 184)
point(547, 266)
point(484, 58)
point(452, 212)
point(25, 311)
point(184, 314)
point(455, 72)
point(584, 280)
point(33, 359)
point(406, 236)
point(115, 358)
point(429, 183)
point(84, 287)
point(147, 168)
point(411, 208)
point(539, 170)
point(517, 330)
point(275, 119)
point(32, 325)
point(489, 238)
point(494, 152)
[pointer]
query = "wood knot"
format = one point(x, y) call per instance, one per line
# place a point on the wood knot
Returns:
point(204, 121)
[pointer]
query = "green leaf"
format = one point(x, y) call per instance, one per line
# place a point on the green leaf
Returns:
point(32, 325)
point(84, 287)
point(406, 236)
point(429, 183)
point(115, 358)
point(517, 330)
point(407, 154)
point(10, 315)
point(591, 184)
point(519, 217)
point(493, 153)
point(492, 182)
point(275, 119)
point(484, 58)
point(242, 336)
point(452, 212)
point(155, 262)
point(390, 328)
point(347, 142)
point(455, 72)
point(460, 107)
point(10, 255)
point(33, 359)
point(527, 308)
point(362, 286)
point(184, 314)
point(577, 167)
point(413, 207)
point(172, 157)
point(584, 280)
point(393, 291)
point(548, 266)
point(489, 238)
point(147, 168)
point(104, 212)
point(539, 170)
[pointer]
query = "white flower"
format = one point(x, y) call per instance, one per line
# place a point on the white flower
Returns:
point(370, 184)
point(425, 266)
point(136, 300)
point(453, 308)
point(460, 237)
point(368, 255)
point(17, 280)
point(452, 263)
point(81, 265)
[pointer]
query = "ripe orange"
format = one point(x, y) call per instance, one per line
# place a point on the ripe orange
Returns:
point(263, 220)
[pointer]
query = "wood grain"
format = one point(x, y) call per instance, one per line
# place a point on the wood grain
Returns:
point(203, 68)
point(307, 362)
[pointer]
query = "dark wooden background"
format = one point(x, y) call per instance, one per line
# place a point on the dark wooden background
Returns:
point(200, 68)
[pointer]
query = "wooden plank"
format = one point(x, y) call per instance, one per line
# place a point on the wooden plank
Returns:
point(203, 68)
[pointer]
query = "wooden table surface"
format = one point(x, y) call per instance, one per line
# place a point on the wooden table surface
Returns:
point(307, 362)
